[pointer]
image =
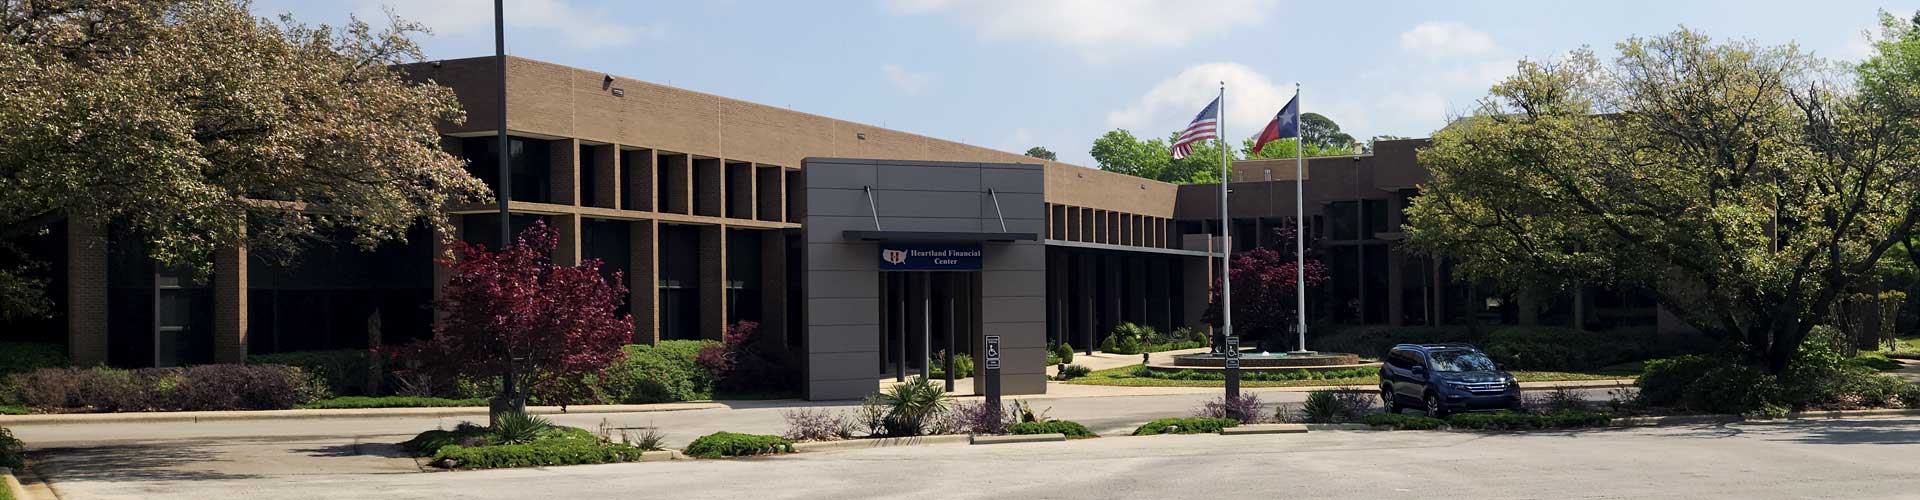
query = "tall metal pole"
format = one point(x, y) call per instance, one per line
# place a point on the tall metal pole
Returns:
point(1300, 220)
point(1226, 254)
point(509, 387)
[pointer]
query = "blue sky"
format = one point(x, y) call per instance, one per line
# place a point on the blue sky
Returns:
point(1010, 74)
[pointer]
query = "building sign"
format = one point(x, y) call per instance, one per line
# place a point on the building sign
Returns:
point(929, 257)
point(993, 352)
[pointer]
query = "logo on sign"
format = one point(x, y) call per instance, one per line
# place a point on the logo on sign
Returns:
point(930, 257)
point(993, 352)
point(895, 257)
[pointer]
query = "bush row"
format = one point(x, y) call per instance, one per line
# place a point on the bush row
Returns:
point(1540, 348)
point(21, 357)
point(1819, 377)
point(1141, 371)
point(733, 444)
point(538, 453)
point(204, 387)
point(347, 372)
point(1131, 338)
point(1400, 421)
point(1185, 425)
point(1073, 430)
point(1509, 421)
point(361, 402)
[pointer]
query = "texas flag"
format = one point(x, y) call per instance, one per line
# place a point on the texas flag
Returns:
point(1284, 125)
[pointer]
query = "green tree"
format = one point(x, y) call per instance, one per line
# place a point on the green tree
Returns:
point(1119, 151)
point(1318, 130)
point(1745, 187)
point(1382, 137)
point(193, 124)
point(1041, 153)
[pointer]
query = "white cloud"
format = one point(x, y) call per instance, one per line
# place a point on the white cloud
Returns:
point(1252, 99)
point(909, 82)
point(1097, 29)
point(572, 26)
point(1437, 40)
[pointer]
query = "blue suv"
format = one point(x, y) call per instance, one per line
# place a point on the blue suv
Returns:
point(1443, 379)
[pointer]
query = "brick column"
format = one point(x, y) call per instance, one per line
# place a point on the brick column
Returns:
point(86, 293)
point(770, 201)
point(639, 189)
point(713, 285)
point(677, 195)
point(567, 253)
point(606, 176)
point(230, 303)
point(564, 171)
point(643, 284)
point(1396, 286)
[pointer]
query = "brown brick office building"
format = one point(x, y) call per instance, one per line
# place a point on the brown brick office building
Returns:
point(705, 203)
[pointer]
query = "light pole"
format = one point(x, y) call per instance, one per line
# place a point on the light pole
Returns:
point(509, 399)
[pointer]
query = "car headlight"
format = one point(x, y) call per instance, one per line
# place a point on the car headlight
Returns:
point(1457, 385)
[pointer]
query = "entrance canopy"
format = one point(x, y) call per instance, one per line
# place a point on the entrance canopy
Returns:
point(938, 236)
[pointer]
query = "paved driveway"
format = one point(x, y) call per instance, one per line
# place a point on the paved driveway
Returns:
point(1866, 458)
point(134, 460)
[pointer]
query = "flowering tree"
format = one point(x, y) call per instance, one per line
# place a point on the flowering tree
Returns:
point(748, 361)
point(515, 315)
point(1264, 289)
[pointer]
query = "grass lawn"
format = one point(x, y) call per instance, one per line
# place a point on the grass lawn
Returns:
point(15, 410)
point(1123, 376)
point(6, 494)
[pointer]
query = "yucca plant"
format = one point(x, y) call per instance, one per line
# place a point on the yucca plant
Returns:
point(911, 405)
point(518, 428)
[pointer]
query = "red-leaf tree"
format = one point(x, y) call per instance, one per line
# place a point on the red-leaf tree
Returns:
point(514, 315)
point(1264, 286)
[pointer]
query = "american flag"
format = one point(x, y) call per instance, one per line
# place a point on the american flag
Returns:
point(1205, 126)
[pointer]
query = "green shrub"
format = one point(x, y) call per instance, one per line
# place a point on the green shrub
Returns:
point(911, 405)
point(1072, 429)
point(661, 373)
point(1375, 340)
point(962, 366)
point(1502, 421)
point(429, 443)
point(357, 402)
point(22, 357)
point(1665, 381)
point(1126, 339)
point(1070, 372)
point(1185, 425)
point(1064, 352)
point(344, 371)
point(12, 451)
point(1327, 407)
point(539, 453)
point(15, 410)
point(201, 387)
point(518, 428)
point(1190, 334)
point(731, 444)
point(1910, 396)
point(1398, 421)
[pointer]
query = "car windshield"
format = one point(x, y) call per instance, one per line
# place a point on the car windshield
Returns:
point(1460, 361)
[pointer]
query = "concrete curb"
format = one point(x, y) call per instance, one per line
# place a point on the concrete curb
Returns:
point(661, 456)
point(1339, 427)
point(1723, 419)
point(870, 443)
point(12, 484)
point(220, 416)
point(1264, 429)
point(1019, 438)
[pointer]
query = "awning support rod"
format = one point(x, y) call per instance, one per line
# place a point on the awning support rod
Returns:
point(996, 209)
point(876, 211)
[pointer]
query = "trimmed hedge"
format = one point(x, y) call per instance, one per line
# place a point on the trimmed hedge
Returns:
point(356, 402)
point(1508, 421)
point(662, 373)
point(1541, 348)
point(203, 387)
point(345, 371)
point(539, 453)
point(21, 357)
point(733, 444)
point(1400, 422)
point(1072, 429)
point(1185, 425)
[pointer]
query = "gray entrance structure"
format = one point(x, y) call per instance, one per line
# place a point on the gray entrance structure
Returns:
point(854, 207)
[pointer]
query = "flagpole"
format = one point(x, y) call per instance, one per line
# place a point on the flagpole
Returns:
point(1299, 219)
point(1226, 251)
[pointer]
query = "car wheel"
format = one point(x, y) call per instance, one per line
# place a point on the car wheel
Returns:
point(1434, 408)
point(1389, 400)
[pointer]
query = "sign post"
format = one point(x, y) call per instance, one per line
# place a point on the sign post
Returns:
point(992, 359)
point(1233, 369)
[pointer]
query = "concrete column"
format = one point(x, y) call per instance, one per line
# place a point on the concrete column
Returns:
point(86, 293)
point(643, 282)
point(1089, 305)
point(773, 284)
point(230, 303)
point(564, 171)
point(1113, 294)
point(713, 285)
point(1137, 290)
point(1197, 274)
point(567, 253)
